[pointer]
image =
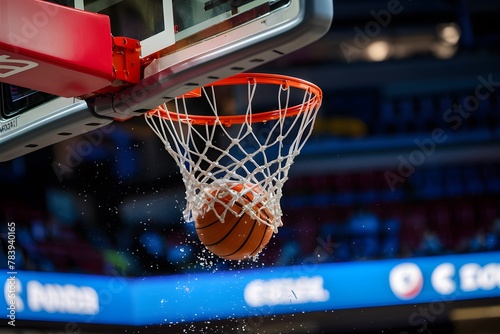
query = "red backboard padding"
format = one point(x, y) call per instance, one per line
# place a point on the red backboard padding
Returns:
point(54, 49)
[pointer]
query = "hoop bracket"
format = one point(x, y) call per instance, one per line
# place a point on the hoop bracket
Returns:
point(126, 60)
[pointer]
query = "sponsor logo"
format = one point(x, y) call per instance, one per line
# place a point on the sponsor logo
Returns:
point(470, 277)
point(53, 298)
point(285, 291)
point(406, 280)
point(9, 125)
point(10, 67)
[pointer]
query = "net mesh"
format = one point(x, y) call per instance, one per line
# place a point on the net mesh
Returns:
point(241, 158)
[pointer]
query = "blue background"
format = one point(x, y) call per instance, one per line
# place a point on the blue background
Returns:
point(198, 297)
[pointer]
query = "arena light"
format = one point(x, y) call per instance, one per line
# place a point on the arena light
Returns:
point(449, 33)
point(378, 51)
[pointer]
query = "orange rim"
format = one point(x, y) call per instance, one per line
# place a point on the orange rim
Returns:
point(251, 78)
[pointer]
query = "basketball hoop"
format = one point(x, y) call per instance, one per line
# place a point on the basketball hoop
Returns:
point(253, 149)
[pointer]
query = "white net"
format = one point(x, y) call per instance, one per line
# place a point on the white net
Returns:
point(244, 157)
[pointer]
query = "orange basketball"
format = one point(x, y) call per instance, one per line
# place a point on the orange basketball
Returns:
point(238, 237)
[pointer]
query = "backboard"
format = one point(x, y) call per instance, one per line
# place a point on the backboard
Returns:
point(184, 44)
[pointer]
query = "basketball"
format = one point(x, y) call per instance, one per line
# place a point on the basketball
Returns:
point(229, 226)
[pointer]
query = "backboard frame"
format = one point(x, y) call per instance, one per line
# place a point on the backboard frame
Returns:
point(173, 72)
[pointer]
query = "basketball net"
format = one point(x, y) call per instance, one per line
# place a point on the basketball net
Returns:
point(254, 149)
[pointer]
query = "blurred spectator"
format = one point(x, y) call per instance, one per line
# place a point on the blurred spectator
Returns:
point(152, 242)
point(478, 242)
point(492, 238)
point(38, 230)
point(150, 253)
point(334, 241)
point(179, 250)
point(118, 261)
point(390, 241)
point(431, 244)
point(289, 251)
point(23, 235)
point(364, 228)
point(485, 240)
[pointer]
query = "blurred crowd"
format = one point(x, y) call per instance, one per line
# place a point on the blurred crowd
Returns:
point(330, 217)
point(105, 214)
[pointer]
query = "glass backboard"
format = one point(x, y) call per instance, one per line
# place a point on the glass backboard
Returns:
point(184, 44)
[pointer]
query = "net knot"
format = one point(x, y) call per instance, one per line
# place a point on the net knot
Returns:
point(285, 85)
